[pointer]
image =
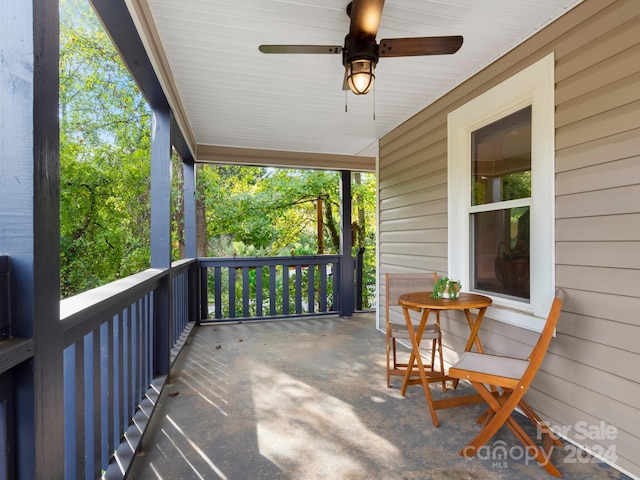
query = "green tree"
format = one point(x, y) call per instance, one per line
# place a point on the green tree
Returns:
point(104, 158)
point(105, 166)
point(273, 210)
point(258, 211)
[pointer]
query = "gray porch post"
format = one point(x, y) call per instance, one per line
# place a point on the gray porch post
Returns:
point(160, 188)
point(161, 230)
point(347, 297)
point(190, 250)
point(189, 209)
point(30, 231)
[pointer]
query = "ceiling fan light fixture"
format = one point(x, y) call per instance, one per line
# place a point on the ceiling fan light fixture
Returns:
point(360, 75)
point(361, 51)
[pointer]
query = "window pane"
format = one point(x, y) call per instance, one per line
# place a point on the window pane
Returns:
point(501, 252)
point(501, 159)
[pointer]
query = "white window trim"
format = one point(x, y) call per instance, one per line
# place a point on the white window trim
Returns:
point(532, 86)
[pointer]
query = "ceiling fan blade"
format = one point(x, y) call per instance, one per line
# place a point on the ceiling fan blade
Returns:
point(300, 48)
point(365, 18)
point(407, 47)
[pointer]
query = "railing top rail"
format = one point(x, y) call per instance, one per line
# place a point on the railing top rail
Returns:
point(183, 264)
point(14, 351)
point(260, 261)
point(105, 300)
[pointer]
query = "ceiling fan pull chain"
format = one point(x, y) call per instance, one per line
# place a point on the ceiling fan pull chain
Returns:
point(345, 102)
point(374, 102)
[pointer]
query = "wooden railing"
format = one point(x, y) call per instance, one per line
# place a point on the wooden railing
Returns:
point(118, 340)
point(269, 287)
point(121, 339)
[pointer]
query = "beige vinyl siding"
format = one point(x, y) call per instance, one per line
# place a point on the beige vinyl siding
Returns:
point(591, 373)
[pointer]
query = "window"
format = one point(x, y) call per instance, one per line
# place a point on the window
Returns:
point(501, 197)
point(501, 172)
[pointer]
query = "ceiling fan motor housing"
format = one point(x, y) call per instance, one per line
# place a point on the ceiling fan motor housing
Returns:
point(359, 49)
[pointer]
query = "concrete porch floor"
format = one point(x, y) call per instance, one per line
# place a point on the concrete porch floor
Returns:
point(307, 399)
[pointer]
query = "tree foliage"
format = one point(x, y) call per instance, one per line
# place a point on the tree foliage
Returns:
point(104, 158)
point(252, 211)
point(275, 210)
point(105, 169)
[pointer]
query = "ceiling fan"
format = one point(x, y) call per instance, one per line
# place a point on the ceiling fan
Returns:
point(360, 52)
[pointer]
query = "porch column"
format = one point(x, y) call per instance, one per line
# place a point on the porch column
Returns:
point(30, 237)
point(160, 188)
point(190, 250)
point(189, 195)
point(347, 295)
point(161, 230)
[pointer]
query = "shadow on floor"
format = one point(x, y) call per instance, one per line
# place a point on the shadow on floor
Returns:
point(306, 399)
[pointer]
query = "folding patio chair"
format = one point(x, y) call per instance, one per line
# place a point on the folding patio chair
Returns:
point(397, 284)
point(513, 377)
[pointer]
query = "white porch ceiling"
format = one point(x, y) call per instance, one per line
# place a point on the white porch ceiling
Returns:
point(228, 94)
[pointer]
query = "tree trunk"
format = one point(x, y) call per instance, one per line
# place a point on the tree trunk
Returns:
point(179, 206)
point(331, 226)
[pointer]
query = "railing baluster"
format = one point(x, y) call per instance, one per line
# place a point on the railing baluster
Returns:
point(259, 291)
point(204, 292)
point(217, 279)
point(150, 329)
point(183, 302)
point(128, 412)
point(79, 407)
point(311, 293)
point(272, 290)
point(121, 377)
point(285, 289)
point(134, 381)
point(140, 352)
point(151, 354)
point(232, 292)
point(109, 384)
point(246, 290)
point(96, 367)
point(175, 292)
point(70, 407)
point(323, 288)
point(144, 343)
point(298, 290)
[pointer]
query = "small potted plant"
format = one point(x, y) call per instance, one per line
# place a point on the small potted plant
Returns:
point(446, 288)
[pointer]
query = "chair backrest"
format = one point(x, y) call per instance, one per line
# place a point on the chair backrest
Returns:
point(542, 345)
point(397, 284)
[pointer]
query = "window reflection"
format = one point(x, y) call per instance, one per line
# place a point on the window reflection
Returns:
point(501, 171)
point(501, 256)
point(501, 166)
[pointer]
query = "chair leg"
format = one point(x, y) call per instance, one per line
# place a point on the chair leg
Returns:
point(542, 455)
point(444, 382)
point(433, 354)
point(425, 386)
point(502, 408)
point(549, 437)
point(388, 368)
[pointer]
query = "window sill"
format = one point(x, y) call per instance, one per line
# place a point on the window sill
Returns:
point(510, 312)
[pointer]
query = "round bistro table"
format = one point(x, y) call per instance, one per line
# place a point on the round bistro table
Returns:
point(422, 302)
